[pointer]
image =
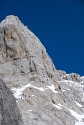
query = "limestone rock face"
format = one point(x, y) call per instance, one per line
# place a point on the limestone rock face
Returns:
point(73, 77)
point(44, 95)
point(9, 113)
point(22, 56)
point(62, 73)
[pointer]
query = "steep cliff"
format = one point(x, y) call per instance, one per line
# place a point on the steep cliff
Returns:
point(44, 95)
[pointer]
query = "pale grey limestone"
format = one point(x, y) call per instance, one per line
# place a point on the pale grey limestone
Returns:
point(73, 77)
point(62, 73)
point(21, 53)
point(51, 93)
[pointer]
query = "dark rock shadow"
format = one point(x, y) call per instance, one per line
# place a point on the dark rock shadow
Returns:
point(9, 113)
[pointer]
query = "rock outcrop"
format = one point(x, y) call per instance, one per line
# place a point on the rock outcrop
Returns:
point(73, 77)
point(9, 113)
point(44, 95)
point(22, 56)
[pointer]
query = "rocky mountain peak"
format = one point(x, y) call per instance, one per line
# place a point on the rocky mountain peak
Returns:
point(21, 50)
point(44, 95)
point(10, 20)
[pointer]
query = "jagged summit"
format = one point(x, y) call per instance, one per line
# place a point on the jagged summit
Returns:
point(10, 20)
point(44, 95)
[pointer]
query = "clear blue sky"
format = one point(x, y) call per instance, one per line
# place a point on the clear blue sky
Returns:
point(59, 24)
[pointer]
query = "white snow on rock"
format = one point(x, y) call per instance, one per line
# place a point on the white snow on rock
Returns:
point(63, 90)
point(24, 59)
point(30, 110)
point(58, 106)
point(18, 91)
point(52, 87)
point(79, 123)
point(66, 81)
point(65, 75)
point(73, 84)
point(77, 116)
point(78, 104)
point(32, 95)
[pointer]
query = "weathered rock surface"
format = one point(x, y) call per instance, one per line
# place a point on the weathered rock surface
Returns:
point(22, 56)
point(73, 77)
point(44, 95)
point(9, 113)
point(62, 73)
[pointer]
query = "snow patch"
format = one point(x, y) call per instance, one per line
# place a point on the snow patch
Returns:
point(79, 123)
point(58, 106)
point(78, 104)
point(18, 91)
point(65, 75)
point(32, 95)
point(52, 87)
point(63, 90)
point(76, 115)
point(72, 83)
point(67, 81)
point(30, 110)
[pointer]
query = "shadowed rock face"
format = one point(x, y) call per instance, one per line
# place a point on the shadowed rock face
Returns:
point(9, 113)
